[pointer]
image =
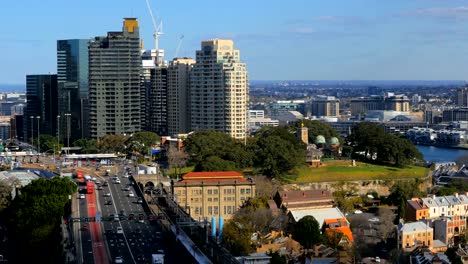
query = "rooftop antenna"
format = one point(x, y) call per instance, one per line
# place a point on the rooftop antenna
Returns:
point(157, 32)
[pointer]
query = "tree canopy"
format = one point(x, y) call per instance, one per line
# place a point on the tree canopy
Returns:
point(307, 231)
point(88, 146)
point(368, 139)
point(214, 150)
point(278, 151)
point(112, 143)
point(33, 219)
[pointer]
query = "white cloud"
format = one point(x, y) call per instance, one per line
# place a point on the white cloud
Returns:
point(460, 12)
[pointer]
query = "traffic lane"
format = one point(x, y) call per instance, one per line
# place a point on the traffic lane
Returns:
point(135, 231)
point(116, 244)
point(86, 241)
point(122, 247)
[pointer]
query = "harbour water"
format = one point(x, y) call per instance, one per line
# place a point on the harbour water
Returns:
point(435, 154)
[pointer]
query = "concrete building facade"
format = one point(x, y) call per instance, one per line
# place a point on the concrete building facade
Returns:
point(178, 95)
point(114, 81)
point(326, 106)
point(219, 89)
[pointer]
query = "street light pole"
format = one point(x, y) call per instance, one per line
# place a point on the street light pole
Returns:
point(38, 134)
point(32, 130)
point(68, 132)
point(58, 135)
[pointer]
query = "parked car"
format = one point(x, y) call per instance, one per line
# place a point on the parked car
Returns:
point(119, 230)
point(82, 196)
point(131, 194)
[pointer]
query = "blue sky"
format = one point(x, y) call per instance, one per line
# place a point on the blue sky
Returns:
point(294, 39)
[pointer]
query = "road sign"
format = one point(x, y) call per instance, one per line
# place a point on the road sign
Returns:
point(98, 216)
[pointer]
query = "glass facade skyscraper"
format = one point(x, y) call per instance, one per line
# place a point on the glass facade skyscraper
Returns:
point(41, 109)
point(73, 88)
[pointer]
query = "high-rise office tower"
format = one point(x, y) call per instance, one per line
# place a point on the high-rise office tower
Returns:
point(461, 97)
point(178, 95)
point(41, 110)
point(73, 93)
point(114, 81)
point(219, 89)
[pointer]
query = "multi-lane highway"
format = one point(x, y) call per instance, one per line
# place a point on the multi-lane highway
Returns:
point(126, 232)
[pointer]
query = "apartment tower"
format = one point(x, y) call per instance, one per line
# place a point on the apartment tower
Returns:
point(114, 82)
point(178, 95)
point(219, 89)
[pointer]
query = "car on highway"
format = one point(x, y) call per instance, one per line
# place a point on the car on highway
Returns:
point(107, 194)
point(119, 230)
point(117, 181)
point(105, 184)
point(141, 218)
point(139, 200)
point(116, 218)
point(131, 216)
point(82, 196)
point(126, 175)
point(118, 260)
point(99, 187)
point(131, 194)
point(126, 188)
point(108, 202)
point(93, 178)
point(98, 182)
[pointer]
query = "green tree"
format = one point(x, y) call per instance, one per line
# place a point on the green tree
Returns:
point(33, 219)
point(143, 141)
point(209, 143)
point(88, 146)
point(214, 163)
point(112, 143)
point(48, 143)
point(402, 191)
point(236, 237)
point(5, 194)
point(368, 139)
point(278, 151)
point(307, 232)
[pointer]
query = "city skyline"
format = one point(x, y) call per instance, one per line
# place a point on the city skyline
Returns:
point(332, 40)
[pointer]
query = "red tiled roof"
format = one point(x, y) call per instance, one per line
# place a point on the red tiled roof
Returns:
point(344, 229)
point(335, 220)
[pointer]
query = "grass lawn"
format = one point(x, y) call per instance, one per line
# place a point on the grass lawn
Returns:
point(339, 170)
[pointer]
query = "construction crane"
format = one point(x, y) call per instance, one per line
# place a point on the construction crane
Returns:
point(156, 34)
point(178, 46)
